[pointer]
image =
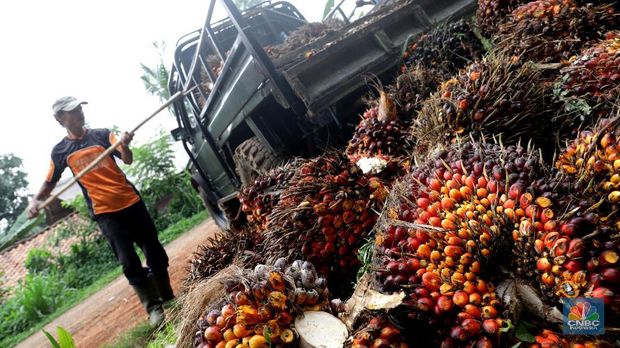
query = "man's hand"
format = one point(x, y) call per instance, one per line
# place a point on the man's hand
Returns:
point(126, 138)
point(33, 208)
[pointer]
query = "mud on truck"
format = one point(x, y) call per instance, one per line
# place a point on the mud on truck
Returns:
point(258, 102)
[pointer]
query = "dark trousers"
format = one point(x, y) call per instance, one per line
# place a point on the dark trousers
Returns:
point(134, 225)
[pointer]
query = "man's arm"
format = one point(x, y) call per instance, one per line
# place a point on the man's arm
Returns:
point(37, 200)
point(126, 153)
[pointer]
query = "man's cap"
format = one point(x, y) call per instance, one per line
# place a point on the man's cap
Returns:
point(66, 104)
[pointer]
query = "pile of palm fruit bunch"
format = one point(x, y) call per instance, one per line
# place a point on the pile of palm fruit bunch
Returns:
point(494, 96)
point(587, 185)
point(446, 235)
point(325, 214)
point(553, 30)
point(432, 59)
point(380, 139)
point(590, 85)
point(491, 12)
point(261, 305)
point(302, 36)
point(447, 47)
point(379, 331)
point(219, 251)
point(258, 198)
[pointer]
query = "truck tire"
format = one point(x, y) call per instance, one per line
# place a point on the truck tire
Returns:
point(214, 211)
point(253, 158)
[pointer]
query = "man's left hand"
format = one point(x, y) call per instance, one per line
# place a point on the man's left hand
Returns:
point(127, 138)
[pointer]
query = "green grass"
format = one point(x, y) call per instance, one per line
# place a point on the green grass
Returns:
point(166, 236)
point(144, 335)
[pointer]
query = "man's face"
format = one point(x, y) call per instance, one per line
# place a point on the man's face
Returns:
point(73, 118)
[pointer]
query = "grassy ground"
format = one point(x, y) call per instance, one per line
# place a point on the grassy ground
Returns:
point(144, 335)
point(166, 236)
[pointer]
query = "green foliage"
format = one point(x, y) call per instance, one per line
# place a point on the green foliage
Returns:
point(39, 295)
point(13, 183)
point(39, 261)
point(155, 79)
point(152, 161)
point(65, 340)
point(144, 335)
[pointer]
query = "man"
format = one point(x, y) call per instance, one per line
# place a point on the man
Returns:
point(113, 202)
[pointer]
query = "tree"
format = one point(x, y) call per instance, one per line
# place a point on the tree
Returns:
point(156, 79)
point(13, 183)
point(245, 4)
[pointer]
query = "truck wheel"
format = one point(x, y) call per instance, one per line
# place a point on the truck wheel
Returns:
point(214, 211)
point(252, 158)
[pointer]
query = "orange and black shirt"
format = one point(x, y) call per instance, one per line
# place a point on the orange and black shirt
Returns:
point(106, 188)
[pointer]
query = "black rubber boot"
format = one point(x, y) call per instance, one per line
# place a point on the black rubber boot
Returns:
point(149, 297)
point(162, 282)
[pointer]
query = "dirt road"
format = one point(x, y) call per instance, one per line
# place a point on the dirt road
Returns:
point(115, 309)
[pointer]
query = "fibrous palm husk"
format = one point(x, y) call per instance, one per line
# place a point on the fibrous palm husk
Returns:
point(497, 95)
point(553, 30)
point(447, 47)
point(302, 36)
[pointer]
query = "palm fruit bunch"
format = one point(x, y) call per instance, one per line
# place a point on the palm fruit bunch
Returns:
point(379, 331)
point(592, 80)
point(412, 87)
point(219, 251)
point(589, 177)
point(261, 305)
point(446, 233)
point(497, 95)
point(447, 47)
point(258, 198)
point(381, 138)
point(325, 214)
point(491, 12)
point(553, 30)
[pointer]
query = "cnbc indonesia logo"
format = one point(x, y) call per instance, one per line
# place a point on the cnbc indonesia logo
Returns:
point(584, 316)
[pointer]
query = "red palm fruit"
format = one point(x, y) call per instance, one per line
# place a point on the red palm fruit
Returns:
point(602, 292)
point(543, 264)
point(475, 299)
point(458, 334)
point(460, 298)
point(490, 326)
point(611, 275)
point(380, 343)
point(484, 342)
point(489, 312)
point(431, 281)
point(444, 303)
point(423, 202)
point(572, 266)
point(425, 304)
point(472, 310)
point(560, 247)
point(576, 248)
point(462, 316)
point(388, 332)
point(471, 326)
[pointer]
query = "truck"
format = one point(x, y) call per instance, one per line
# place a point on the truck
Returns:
point(248, 112)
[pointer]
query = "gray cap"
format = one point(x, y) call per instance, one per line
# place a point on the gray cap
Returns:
point(66, 104)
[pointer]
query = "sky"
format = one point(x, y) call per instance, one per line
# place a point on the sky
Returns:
point(91, 50)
